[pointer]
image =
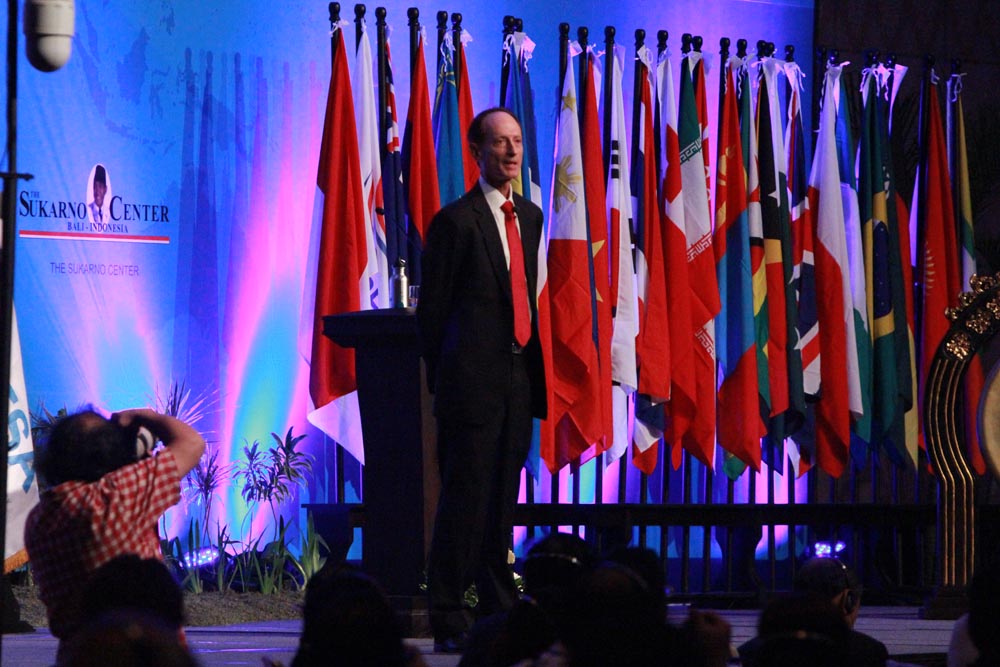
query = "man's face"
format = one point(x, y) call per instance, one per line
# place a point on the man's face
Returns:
point(100, 189)
point(499, 156)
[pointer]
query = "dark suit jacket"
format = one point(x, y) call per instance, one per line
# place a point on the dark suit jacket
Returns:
point(465, 311)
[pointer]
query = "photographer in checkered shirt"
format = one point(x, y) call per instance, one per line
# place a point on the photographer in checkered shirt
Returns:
point(104, 491)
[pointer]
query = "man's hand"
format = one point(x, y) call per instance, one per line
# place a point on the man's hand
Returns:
point(128, 418)
point(185, 443)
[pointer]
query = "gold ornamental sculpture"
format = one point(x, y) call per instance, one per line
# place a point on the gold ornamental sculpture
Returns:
point(973, 323)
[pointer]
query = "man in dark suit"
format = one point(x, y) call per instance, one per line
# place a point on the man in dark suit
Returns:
point(479, 337)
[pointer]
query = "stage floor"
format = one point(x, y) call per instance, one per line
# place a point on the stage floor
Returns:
point(909, 638)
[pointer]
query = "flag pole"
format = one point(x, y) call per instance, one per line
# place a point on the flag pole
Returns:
point(790, 58)
point(723, 66)
point(564, 71)
point(334, 12)
point(640, 40)
point(582, 35)
point(505, 57)
point(609, 73)
point(661, 41)
point(458, 52)
point(382, 58)
point(334, 9)
point(442, 28)
point(9, 225)
point(921, 186)
point(952, 137)
point(583, 38)
point(413, 22)
point(359, 21)
point(609, 54)
point(890, 64)
point(818, 89)
point(661, 47)
point(563, 55)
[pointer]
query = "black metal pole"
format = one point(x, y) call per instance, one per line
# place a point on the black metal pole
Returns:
point(582, 34)
point(637, 70)
point(921, 185)
point(10, 179)
point(507, 60)
point(609, 73)
point(563, 57)
point(413, 22)
point(359, 20)
point(458, 51)
point(442, 28)
point(382, 55)
point(661, 47)
point(334, 9)
point(723, 76)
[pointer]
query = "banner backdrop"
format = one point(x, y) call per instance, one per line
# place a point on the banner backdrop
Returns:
point(164, 236)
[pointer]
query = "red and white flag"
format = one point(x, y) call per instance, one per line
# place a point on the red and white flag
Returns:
point(704, 294)
point(342, 284)
point(683, 378)
point(834, 304)
point(575, 419)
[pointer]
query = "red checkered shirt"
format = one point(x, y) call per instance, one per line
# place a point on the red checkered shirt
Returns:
point(76, 527)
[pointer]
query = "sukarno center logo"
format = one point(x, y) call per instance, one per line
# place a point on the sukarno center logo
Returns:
point(100, 215)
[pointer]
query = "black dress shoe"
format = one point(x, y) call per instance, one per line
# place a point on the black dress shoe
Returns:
point(450, 645)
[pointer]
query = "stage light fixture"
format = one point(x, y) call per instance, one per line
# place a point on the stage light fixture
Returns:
point(200, 558)
point(828, 549)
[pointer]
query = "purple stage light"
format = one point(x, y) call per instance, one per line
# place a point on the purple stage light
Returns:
point(828, 549)
point(200, 557)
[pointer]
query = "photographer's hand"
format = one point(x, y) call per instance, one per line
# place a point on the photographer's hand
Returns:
point(183, 441)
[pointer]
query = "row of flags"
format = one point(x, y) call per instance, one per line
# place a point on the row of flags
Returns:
point(771, 318)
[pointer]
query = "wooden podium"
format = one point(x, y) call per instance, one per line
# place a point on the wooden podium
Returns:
point(400, 479)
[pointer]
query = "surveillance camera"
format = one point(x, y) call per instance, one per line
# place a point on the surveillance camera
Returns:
point(48, 31)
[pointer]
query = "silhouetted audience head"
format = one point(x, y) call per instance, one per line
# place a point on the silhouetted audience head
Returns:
point(554, 565)
point(348, 618)
point(645, 563)
point(522, 633)
point(801, 628)
point(984, 628)
point(127, 638)
point(131, 582)
point(614, 619)
point(552, 568)
point(834, 580)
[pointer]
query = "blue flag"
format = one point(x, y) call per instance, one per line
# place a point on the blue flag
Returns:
point(448, 137)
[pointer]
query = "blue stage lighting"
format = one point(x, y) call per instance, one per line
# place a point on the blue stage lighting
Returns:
point(828, 549)
point(200, 558)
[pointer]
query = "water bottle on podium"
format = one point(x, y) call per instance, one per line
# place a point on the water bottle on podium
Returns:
point(399, 285)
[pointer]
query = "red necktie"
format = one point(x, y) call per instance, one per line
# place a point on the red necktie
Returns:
point(518, 280)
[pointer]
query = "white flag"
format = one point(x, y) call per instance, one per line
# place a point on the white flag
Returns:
point(22, 486)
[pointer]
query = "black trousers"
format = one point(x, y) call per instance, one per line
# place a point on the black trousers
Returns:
point(480, 465)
